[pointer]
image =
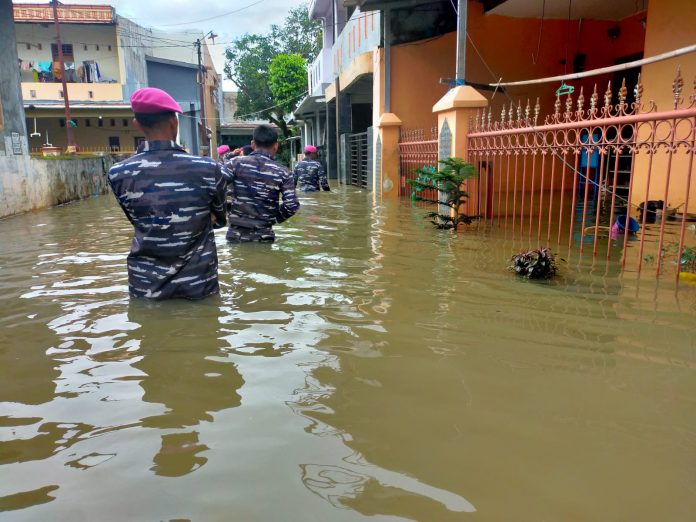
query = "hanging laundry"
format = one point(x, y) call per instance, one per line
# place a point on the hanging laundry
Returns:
point(35, 75)
point(70, 73)
point(44, 67)
point(57, 73)
point(81, 74)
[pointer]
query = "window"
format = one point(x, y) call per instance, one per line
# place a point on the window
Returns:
point(39, 46)
point(125, 122)
point(138, 140)
point(85, 47)
point(90, 94)
point(101, 122)
point(61, 122)
point(67, 52)
point(113, 122)
point(32, 93)
point(61, 94)
point(109, 48)
point(28, 47)
point(97, 46)
point(114, 143)
point(88, 123)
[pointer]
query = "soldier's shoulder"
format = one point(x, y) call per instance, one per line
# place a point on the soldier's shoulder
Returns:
point(203, 161)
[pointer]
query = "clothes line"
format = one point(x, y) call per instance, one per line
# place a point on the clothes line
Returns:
point(603, 70)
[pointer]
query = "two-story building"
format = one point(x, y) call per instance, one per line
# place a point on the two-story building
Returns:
point(107, 58)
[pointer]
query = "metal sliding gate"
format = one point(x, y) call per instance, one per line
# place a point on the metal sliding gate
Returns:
point(358, 160)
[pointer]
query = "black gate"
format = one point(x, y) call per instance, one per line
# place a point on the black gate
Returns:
point(358, 160)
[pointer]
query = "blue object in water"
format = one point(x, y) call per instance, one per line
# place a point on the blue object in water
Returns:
point(633, 225)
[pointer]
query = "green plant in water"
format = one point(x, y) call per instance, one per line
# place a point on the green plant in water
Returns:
point(534, 264)
point(688, 257)
point(448, 181)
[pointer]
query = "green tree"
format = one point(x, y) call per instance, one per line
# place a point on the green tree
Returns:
point(287, 79)
point(248, 65)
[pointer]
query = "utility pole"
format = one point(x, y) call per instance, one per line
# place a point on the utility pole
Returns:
point(460, 72)
point(66, 99)
point(201, 76)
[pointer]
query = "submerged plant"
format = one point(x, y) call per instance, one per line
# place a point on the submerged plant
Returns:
point(448, 181)
point(534, 264)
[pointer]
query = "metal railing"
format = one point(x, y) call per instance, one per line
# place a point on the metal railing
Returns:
point(579, 174)
point(416, 150)
point(360, 34)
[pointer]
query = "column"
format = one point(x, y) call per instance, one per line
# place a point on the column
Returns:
point(387, 156)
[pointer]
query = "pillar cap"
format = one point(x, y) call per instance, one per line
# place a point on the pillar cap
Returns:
point(461, 97)
point(389, 119)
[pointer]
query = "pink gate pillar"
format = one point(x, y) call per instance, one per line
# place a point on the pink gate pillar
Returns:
point(455, 110)
point(387, 155)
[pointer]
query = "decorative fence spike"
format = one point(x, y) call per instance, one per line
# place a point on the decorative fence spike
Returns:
point(557, 108)
point(623, 92)
point(581, 101)
point(502, 113)
point(638, 91)
point(537, 110)
point(519, 110)
point(677, 86)
point(527, 111)
point(593, 101)
point(607, 98)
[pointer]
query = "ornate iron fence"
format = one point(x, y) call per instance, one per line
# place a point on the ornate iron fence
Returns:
point(416, 150)
point(610, 160)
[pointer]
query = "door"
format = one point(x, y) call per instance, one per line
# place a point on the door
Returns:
point(114, 143)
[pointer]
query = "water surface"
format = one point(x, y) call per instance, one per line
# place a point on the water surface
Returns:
point(364, 366)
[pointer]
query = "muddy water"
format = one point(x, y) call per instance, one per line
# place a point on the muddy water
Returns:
point(363, 366)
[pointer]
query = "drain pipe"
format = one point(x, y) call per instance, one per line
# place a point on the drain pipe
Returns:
point(460, 72)
point(387, 61)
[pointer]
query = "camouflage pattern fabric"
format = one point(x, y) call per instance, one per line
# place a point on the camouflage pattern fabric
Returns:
point(250, 235)
point(310, 176)
point(256, 185)
point(168, 195)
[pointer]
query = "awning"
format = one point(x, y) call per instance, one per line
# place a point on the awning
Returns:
point(310, 105)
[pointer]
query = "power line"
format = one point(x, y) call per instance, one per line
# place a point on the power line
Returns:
point(214, 17)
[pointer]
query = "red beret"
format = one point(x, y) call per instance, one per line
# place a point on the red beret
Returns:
point(310, 149)
point(151, 100)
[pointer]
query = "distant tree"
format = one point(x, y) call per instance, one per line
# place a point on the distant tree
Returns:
point(248, 65)
point(287, 79)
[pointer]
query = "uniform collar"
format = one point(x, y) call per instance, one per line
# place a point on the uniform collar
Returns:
point(261, 153)
point(149, 146)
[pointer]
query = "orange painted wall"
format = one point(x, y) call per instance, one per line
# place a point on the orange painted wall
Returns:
point(416, 69)
point(671, 24)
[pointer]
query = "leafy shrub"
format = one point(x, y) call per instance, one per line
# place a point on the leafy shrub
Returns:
point(534, 264)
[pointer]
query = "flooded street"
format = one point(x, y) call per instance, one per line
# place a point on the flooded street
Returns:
point(365, 365)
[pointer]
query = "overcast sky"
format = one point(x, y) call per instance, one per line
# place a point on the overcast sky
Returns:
point(254, 16)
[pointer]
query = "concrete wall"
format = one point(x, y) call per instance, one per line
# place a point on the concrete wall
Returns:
point(131, 49)
point(30, 183)
point(670, 25)
point(13, 134)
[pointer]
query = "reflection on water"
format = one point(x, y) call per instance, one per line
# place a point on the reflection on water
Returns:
point(363, 366)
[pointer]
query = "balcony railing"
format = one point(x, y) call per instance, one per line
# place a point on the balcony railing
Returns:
point(362, 33)
point(320, 73)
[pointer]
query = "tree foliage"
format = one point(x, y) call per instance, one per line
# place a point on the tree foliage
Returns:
point(287, 79)
point(249, 60)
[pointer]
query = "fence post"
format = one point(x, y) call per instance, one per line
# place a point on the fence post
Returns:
point(388, 134)
point(454, 113)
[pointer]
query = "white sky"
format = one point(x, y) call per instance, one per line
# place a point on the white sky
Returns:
point(160, 14)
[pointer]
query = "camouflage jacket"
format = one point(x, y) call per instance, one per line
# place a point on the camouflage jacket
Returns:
point(310, 176)
point(256, 184)
point(168, 196)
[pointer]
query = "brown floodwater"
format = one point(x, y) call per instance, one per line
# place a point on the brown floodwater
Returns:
point(364, 366)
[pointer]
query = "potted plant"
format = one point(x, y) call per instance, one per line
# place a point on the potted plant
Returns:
point(539, 263)
point(448, 181)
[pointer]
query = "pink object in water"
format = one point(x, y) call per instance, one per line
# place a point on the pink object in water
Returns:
point(615, 231)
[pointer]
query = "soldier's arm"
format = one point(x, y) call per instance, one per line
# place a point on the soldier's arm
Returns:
point(290, 204)
point(296, 173)
point(122, 201)
point(323, 181)
point(217, 205)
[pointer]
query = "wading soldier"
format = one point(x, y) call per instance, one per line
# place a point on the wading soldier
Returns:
point(310, 175)
point(255, 189)
point(173, 200)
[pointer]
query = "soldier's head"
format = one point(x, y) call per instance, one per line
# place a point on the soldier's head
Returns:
point(310, 152)
point(155, 114)
point(157, 126)
point(265, 138)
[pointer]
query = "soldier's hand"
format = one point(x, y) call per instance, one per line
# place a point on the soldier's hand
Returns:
point(213, 219)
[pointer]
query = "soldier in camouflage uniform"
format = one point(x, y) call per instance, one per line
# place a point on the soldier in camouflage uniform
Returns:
point(173, 200)
point(310, 175)
point(256, 184)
